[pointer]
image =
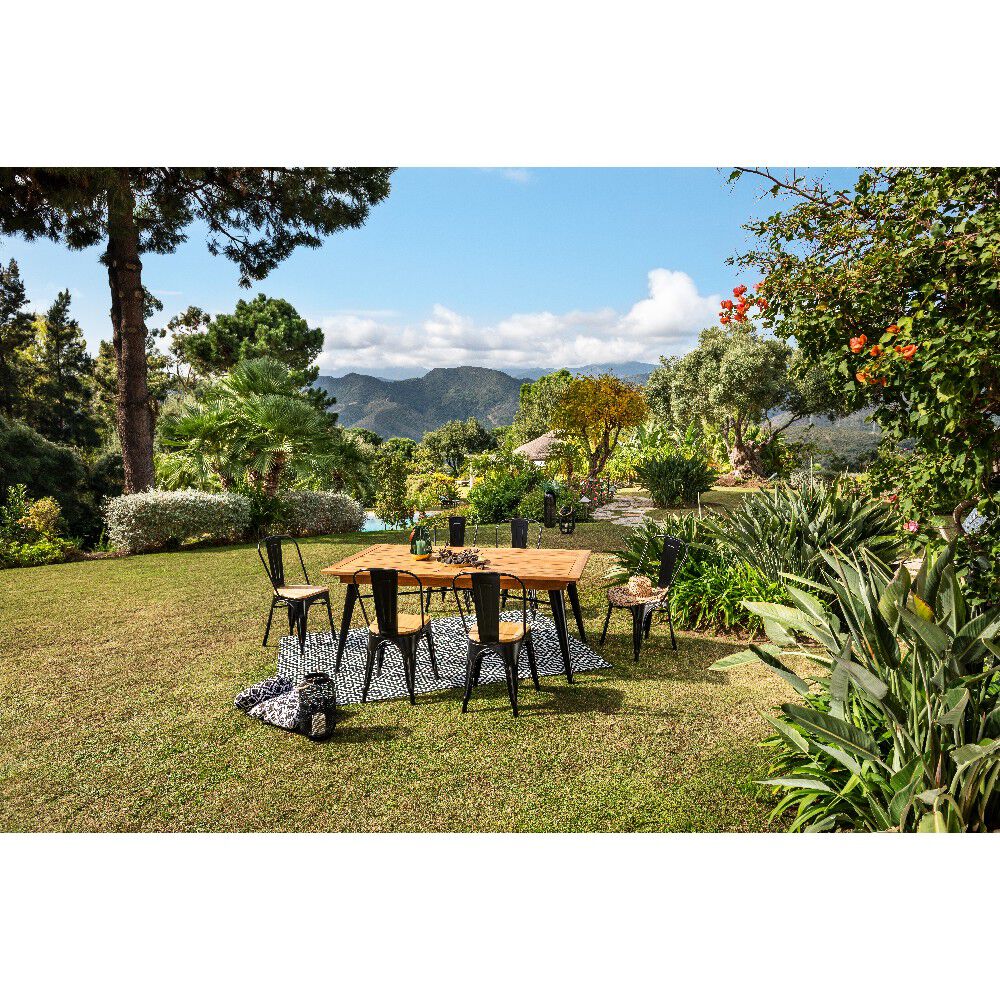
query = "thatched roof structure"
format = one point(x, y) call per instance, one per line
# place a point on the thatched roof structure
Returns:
point(539, 449)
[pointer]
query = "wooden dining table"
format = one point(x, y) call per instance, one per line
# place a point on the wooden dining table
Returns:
point(555, 571)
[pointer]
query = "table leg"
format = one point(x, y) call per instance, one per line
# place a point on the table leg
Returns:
point(350, 597)
point(574, 600)
point(559, 620)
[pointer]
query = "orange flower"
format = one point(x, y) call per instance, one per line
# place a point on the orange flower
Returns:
point(858, 344)
point(892, 329)
point(864, 376)
point(876, 351)
point(906, 353)
point(880, 381)
point(739, 291)
point(726, 303)
point(724, 319)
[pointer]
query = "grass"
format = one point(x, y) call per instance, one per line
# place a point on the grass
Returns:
point(118, 678)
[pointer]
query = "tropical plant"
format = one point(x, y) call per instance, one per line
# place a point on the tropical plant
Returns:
point(901, 729)
point(674, 479)
point(253, 427)
point(710, 587)
point(784, 530)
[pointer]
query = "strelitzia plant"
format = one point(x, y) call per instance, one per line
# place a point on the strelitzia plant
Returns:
point(900, 730)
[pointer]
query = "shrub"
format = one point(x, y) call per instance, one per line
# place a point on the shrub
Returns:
point(787, 531)
point(425, 489)
point(309, 512)
point(710, 588)
point(674, 479)
point(30, 532)
point(389, 473)
point(500, 490)
point(49, 470)
point(141, 521)
point(901, 729)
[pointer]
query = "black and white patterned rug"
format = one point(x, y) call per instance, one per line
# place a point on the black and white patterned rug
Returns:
point(450, 644)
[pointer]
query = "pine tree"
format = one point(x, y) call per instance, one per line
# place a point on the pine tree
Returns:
point(16, 324)
point(59, 402)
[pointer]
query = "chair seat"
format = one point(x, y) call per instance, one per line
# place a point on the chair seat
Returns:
point(622, 597)
point(405, 624)
point(509, 632)
point(301, 591)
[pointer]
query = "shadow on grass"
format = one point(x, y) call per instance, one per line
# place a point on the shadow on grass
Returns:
point(345, 732)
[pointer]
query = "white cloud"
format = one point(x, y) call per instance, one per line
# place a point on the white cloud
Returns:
point(666, 322)
point(516, 175)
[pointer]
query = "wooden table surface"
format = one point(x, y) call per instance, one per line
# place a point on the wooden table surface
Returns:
point(540, 569)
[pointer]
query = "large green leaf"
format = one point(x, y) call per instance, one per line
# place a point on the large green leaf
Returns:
point(819, 786)
point(789, 676)
point(842, 733)
point(933, 636)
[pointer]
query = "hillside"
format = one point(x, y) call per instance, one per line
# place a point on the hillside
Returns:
point(409, 407)
point(627, 371)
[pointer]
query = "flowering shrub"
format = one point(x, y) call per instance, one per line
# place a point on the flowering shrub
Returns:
point(140, 521)
point(30, 532)
point(315, 512)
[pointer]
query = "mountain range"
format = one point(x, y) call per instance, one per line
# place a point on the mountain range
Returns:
point(408, 407)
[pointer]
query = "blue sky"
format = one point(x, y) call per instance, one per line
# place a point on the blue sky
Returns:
point(506, 268)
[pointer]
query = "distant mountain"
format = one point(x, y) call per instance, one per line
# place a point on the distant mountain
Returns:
point(627, 371)
point(408, 407)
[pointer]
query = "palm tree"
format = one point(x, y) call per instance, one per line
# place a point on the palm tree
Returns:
point(253, 424)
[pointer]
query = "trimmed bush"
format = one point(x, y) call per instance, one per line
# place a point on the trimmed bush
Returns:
point(315, 512)
point(141, 521)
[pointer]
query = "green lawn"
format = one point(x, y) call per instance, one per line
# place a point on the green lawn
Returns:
point(118, 678)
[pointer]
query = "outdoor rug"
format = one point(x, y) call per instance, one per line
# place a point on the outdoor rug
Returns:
point(450, 644)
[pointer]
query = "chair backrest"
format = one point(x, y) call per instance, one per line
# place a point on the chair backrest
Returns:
point(485, 588)
point(274, 563)
point(519, 532)
point(385, 597)
point(670, 559)
point(456, 531)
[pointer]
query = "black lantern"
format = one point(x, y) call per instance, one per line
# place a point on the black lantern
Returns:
point(318, 701)
point(567, 520)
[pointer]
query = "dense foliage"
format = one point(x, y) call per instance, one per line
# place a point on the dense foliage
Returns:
point(254, 428)
point(901, 729)
point(593, 412)
point(675, 479)
point(501, 487)
point(537, 405)
point(732, 383)
point(892, 288)
point(788, 530)
point(453, 442)
point(31, 533)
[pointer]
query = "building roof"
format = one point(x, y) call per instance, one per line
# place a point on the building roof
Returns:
point(538, 450)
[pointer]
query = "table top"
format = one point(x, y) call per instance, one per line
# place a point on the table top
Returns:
point(540, 569)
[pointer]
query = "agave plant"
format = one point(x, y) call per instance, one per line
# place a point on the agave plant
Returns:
point(788, 531)
point(901, 729)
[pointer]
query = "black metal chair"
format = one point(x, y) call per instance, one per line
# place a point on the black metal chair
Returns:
point(457, 525)
point(393, 627)
point(491, 635)
point(296, 597)
point(671, 559)
point(520, 528)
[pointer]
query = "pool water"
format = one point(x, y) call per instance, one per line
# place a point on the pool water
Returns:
point(373, 523)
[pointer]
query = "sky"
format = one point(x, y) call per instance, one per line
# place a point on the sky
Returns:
point(505, 268)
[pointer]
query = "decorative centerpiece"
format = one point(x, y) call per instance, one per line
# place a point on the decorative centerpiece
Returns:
point(420, 543)
point(462, 557)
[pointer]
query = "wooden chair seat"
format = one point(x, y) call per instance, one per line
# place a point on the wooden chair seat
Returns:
point(509, 632)
point(300, 591)
point(405, 624)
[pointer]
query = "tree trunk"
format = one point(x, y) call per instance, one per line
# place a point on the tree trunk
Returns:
point(744, 456)
point(134, 415)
